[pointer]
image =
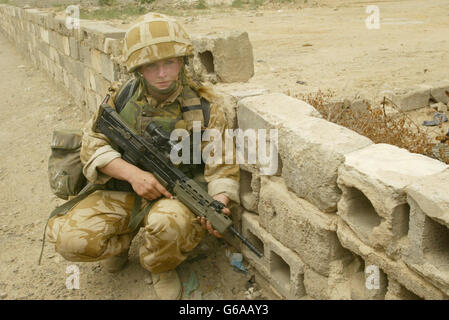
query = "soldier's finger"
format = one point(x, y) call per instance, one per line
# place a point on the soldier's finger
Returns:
point(217, 234)
point(163, 191)
point(209, 228)
point(226, 211)
point(203, 222)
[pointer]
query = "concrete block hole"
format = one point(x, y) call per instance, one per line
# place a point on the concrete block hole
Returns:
point(361, 211)
point(245, 182)
point(280, 270)
point(255, 241)
point(401, 219)
point(436, 244)
point(367, 281)
point(207, 60)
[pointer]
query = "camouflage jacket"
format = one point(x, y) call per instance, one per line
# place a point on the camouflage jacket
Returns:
point(96, 151)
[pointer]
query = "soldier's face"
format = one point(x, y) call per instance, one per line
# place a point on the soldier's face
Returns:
point(161, 74)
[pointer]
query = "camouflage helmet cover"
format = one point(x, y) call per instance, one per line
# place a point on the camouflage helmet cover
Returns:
point(154, 37)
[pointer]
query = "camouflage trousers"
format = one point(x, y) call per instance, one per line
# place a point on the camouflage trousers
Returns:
point(97, 228)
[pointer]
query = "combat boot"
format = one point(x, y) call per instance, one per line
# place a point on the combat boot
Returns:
point(115, 263)
point(167, 285)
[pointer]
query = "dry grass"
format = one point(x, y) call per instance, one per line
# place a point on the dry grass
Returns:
point(375, 123)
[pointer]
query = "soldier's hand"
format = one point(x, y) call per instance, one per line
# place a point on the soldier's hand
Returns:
point(206, 224)
point(147, 186)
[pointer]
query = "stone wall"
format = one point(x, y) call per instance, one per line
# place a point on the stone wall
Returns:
point(342, 218)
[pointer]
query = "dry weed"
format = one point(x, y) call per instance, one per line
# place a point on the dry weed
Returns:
point(399, 129)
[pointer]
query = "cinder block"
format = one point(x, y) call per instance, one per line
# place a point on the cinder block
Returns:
point(412, 98)
point(349, 279)
point(249, 190)
point(85, 54)
point(431, 194)
point(316, 285)
point(74, 67)
point(440, 91)
point(113, 47)
point(398, 292)
point(271, 111)
point(58, 24)
point(53, 54)
point(109, 68)
point(223, 57)
point(280, 266)
point(36, 16)
point(373, 202)
point(74, 48)
point(94, 34)
point(103, 64)
point(428, 250)
point(299, 225)
point(396, 270)
point(91, 100)
point(57, 41)
point(44, 35)
point(101, 85)
point(311, 150)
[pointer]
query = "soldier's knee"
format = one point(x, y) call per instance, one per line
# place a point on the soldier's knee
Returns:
point(163, 226)
point(77, 244)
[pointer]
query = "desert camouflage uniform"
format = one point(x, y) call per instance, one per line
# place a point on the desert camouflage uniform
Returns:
point(96, 228)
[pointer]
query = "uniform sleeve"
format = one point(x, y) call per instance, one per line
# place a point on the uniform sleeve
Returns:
point(222, 177)
point(96, 150)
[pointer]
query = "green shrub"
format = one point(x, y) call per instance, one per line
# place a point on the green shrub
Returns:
point(201, 5)
point(106, 2)
point(237, 3)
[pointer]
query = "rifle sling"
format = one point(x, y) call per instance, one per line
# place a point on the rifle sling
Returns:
point(136, 215)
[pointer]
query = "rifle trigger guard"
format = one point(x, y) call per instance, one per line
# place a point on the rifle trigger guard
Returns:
point(217, 205)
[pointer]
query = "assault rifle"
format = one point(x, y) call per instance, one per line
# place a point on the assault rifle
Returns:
point(147, 153)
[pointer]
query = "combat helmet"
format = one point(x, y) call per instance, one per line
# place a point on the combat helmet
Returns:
point(154, 37)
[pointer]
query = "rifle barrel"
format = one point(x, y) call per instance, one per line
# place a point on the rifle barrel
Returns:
point(246, 242)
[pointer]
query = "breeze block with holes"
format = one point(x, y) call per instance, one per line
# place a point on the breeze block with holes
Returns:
point(299, 225)
point(374, 202)
point(223, 56)
point(396, 270)
point(428, 240)
point(282, 267)
point(311, 150)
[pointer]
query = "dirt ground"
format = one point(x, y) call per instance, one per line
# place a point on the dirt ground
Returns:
point(321, 47)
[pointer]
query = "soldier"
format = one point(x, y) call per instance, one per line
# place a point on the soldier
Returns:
point(156, 49)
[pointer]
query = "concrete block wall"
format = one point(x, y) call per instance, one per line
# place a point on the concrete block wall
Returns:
point(84, 60)
point(339, 211)
point(365, 220)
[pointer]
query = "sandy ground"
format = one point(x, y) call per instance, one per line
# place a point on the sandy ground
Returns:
point(327, 47)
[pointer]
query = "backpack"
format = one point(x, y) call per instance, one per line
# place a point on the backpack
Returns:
point(65, 170)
